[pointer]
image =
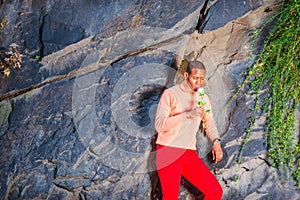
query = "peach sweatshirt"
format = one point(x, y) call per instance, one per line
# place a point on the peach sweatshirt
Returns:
point(174, 127)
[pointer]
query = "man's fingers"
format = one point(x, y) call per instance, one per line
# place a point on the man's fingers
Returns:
point(217, 156)
point(214, 155)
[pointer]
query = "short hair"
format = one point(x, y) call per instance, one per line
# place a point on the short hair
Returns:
point(194, 64)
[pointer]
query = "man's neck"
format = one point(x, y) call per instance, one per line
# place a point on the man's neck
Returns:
point(186, 86)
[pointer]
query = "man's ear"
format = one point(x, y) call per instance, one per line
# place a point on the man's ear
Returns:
point(185, 74)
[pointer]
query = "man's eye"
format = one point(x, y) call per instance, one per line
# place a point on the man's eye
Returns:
point(196, 78)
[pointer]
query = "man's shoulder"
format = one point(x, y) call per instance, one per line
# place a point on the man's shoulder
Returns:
point(173, 89)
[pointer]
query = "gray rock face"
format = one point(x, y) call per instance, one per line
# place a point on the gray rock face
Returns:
point(78, 124)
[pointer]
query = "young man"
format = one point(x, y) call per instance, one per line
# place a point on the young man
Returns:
point(177, 121)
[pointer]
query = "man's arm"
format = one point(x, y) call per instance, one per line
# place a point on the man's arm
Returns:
point(163, 120)
point(212, 133)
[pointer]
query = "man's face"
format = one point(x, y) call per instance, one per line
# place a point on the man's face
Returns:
point(196, 78)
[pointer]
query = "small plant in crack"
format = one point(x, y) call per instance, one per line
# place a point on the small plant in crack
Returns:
point(10, 60)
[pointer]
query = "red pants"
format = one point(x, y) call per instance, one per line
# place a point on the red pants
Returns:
point(173, 162)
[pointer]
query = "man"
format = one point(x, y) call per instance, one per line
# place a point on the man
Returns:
point(177, 121)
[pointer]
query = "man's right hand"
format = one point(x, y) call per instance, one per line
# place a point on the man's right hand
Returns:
point(197, 111)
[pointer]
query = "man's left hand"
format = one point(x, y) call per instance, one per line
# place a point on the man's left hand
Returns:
point(217, 151)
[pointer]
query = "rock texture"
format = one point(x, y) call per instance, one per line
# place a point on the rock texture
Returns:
point(78, 123)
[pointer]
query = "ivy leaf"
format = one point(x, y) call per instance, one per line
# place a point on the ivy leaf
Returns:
point(6, 72)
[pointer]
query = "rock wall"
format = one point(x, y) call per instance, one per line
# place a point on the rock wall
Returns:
point(78, 123)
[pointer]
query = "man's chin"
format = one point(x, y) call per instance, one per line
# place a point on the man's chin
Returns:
point(196, 88)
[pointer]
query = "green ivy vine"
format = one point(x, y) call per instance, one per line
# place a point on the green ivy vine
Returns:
point(274, 82)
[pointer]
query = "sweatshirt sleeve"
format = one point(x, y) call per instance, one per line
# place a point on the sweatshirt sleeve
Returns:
point(164, 120)
point(209, 122)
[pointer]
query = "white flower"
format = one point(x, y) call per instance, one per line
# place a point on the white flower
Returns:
point(201, 91)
